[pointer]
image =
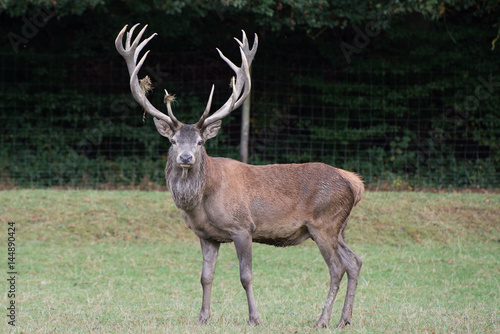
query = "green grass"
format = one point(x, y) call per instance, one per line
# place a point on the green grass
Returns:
point(124, 262)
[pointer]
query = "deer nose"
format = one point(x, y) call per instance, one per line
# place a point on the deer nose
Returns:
point(185, 159)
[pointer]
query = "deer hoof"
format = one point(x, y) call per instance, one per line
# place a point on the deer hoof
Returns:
point(342, 323)
point(253, 322)
point(322, 324)
point(202, 320)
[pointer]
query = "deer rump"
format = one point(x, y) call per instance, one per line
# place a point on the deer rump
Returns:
point(277, 204)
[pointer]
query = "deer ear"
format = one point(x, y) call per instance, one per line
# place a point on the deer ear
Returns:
point(163, 128)
point(211, 130)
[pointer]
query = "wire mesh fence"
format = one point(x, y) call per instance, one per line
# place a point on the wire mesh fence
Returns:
point(71, 121)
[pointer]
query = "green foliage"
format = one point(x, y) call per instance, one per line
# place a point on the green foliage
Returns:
point(20, 8)
point(415, 102)
point(418, 113)
point(313, 16)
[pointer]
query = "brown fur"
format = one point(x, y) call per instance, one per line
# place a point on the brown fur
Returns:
point(223, 200)
point(275, 204)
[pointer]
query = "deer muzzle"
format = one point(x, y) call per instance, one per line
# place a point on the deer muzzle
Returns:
point(185, 160)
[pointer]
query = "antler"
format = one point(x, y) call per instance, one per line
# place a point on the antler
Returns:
point(130, 54)
point(242, 81)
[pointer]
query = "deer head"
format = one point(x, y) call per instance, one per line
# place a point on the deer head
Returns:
point(187, 139)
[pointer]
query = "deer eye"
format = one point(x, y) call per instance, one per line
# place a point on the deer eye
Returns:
point(173, 141)
point(200, 142)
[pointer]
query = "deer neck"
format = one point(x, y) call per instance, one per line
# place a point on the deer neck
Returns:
point(186, 185)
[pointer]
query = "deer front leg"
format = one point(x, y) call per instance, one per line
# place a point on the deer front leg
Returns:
point(210, 250)
point(243, 245)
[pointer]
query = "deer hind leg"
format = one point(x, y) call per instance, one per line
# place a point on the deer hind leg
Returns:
point(329, 252)
point(353, 264)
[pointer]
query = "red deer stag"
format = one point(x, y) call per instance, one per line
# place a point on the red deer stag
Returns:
point(223, 200)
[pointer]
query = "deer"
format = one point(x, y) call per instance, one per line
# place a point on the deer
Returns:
point(223, 200)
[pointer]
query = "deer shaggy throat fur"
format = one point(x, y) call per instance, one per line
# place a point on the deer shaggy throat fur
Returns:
point(224, 200)
point(186, 184)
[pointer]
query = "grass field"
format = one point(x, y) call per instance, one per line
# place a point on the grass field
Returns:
point(123, 262)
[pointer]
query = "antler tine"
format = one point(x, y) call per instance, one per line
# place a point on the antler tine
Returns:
point(168, 99)
point(130, 34)
point(241, 83)
point(119, 40)
point(142, 44)
point(244, 39)
point(207, 109)
point(137, 68)
point(229, 62)
point(244, 45)
point(130, 53)
point(234, 95)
